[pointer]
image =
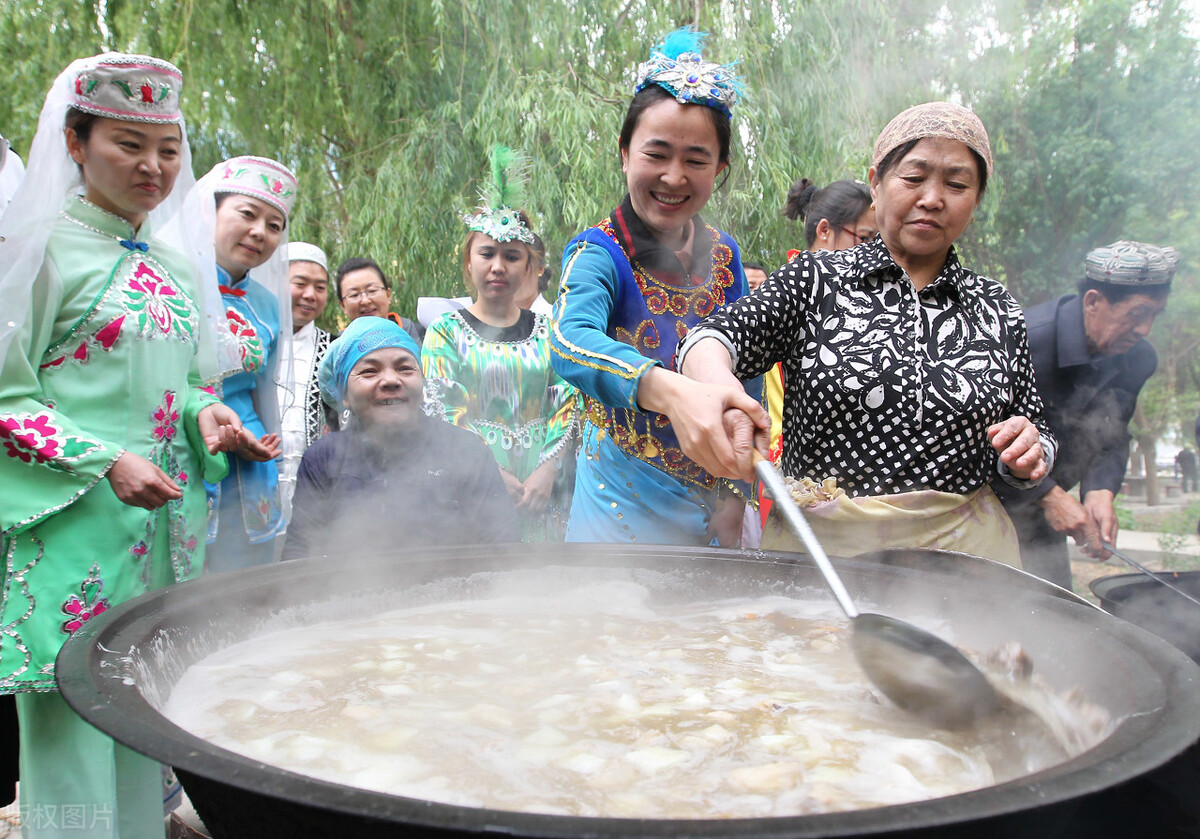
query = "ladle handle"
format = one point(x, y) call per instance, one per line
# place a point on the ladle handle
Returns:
point(1133, 564)
point(769, 475)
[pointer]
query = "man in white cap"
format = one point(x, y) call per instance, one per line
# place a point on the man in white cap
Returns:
point(1091, 358)
point(303, 419)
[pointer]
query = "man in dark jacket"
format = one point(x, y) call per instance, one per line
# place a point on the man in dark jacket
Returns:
point(1091, 358)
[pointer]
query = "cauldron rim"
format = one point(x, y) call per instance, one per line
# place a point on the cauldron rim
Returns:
point(1136, 746)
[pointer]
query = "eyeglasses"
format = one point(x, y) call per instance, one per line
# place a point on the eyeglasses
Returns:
point(369, 291)
point(859, 238)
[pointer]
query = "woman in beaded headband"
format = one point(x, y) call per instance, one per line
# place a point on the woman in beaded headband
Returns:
point(242, 207)
point(487, 367)
point(631, 286)
point(103, 420)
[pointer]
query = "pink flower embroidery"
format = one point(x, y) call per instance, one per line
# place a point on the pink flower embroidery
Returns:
point(147, 92)
point(250, 345)
point(30, 438)
point(79, 610)
point(107, 336)
point(139, 549)
point(155, 300)
point(165, 417)
point(277, 186)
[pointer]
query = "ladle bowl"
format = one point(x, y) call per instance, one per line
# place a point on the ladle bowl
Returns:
point(920, 672)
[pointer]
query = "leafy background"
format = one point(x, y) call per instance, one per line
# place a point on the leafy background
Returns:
point(386, 111)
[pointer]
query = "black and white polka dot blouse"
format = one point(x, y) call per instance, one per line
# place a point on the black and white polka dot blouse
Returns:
point(886, 389)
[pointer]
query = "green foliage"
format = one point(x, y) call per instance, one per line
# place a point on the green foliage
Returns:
point(1176, 531)
point(387, 110)
point(1125, 517)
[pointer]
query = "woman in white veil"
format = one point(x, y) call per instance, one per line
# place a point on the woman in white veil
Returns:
point(106, 432)
point(236, 217)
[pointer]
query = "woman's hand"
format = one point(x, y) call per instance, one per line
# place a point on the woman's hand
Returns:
point(220, 427)
point(222, 431)
point(515, 489)
point(1066, 515)
point(139, 483)
point(1019, 443)
point(714, 422)
point(1100, 504)
point(726, 522)
point(538, 487)
point(263, 449)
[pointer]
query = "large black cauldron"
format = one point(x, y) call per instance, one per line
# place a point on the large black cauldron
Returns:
point(1151, 605)
point(120, 668)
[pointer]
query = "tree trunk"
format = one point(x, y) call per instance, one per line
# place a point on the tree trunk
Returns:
point(1148, 446)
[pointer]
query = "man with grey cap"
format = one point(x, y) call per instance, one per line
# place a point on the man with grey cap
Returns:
point(303, 419)
point(1091, 358)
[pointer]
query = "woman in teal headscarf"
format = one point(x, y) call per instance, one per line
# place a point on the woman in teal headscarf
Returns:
point(394, 477)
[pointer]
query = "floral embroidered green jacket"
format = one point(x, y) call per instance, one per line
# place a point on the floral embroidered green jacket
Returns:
point(106, 363)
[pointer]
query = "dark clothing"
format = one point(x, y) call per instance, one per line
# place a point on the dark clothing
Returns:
point(519, 331)
point(891, 389)
point(1089, 402)
point(647, 252)
point(440, 486)
point(1185, 469)
point(10, 763)
point(410, 326)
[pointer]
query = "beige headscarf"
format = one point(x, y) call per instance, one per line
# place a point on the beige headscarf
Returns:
point(935, 119)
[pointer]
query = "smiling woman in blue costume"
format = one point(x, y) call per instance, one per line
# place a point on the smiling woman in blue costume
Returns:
point(106, 430)
point(631, 288)
point(244, 203)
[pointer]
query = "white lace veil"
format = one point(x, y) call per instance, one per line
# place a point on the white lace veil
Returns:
point(193, 231)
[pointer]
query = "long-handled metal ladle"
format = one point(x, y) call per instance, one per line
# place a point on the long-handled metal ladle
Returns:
point(1137, 565)
point(918, 671)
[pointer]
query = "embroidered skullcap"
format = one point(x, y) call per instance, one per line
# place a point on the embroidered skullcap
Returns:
point(134, 88)
point(1131, 264)
point(361, 338)
point(935, 119)
point(304, 252)
point(259, 177)
point(677, 66)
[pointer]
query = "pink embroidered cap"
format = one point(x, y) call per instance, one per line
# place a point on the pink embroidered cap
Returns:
point(258, 177)
point(135, 88)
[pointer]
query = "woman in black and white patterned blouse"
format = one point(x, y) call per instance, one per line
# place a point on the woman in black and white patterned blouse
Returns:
point(910, 382)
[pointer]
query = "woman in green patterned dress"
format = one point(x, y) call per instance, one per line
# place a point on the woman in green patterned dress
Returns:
point(105, 430)
point(487, 367)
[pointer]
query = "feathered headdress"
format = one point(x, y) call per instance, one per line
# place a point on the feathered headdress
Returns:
point(677, 66)
point(500, 198)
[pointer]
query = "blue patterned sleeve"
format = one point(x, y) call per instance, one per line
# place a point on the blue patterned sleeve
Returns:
point(584, 353)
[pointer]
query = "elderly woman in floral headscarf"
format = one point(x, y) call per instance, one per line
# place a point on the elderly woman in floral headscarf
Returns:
point(910, 383)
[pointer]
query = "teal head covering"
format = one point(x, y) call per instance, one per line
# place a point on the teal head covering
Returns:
point(361, 338)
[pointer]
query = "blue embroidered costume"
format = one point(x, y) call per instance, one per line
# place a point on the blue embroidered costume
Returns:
point(614, 320)
point(245, 517)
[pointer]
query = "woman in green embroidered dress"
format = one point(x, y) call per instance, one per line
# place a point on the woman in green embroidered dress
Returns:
point(487, 367)
point(105, 431)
